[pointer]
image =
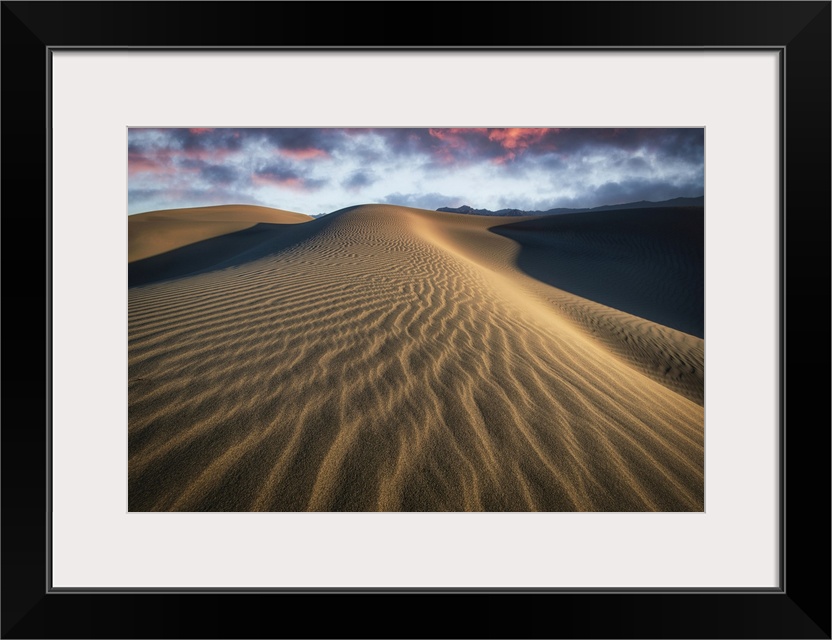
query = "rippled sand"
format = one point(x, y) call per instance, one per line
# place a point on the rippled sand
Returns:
point(384, 358)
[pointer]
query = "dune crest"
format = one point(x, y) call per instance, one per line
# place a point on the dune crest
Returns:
point(155, 232)
point(384, 358)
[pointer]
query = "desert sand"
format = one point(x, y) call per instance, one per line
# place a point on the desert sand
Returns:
point(384, 358)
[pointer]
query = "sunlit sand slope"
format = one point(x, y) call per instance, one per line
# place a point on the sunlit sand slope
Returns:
point(386, 358)
point(156, 232)
point(167, 244)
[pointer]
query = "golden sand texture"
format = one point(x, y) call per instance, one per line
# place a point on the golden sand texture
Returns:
point(180, 242)
point(156, 232)
point(384, 358)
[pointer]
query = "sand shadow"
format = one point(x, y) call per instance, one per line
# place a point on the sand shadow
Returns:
point(220, 252)
point(647, 262)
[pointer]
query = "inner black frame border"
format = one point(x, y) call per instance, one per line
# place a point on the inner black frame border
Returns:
point(800, 607)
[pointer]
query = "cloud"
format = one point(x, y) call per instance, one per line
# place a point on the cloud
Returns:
point(430, 201)
point(138, 163)
point(510, 167)
point(497, 145)
point(359, 179)
point(626, 190)
point(300, 143)
point(309, 153)
point(219, 174)
point(285, 175)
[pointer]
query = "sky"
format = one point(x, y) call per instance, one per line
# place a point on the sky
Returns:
point(318, 171)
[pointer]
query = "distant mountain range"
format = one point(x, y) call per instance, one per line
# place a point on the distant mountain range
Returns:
point(642, 204)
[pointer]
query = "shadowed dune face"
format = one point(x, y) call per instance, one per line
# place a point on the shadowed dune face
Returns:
point(157, 232)
point(647, 262)
point(232, 248)
point(393, 359)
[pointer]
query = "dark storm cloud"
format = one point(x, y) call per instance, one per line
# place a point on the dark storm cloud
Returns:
point(547, 161)
point(285, 174)
point(213, 139)
point(634, 164)
point(313, 184)
point(277, 172)
point(464, 146)
point(529, 168)
point(191, 139)
point(323, 140)
point(219, 174)
point(455, 146)
point(442, 145)
point(433, 146)
point(359, 179)
point(670, 141)
point(231, 140)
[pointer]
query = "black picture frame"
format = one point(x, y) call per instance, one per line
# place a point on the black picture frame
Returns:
point(799, 608)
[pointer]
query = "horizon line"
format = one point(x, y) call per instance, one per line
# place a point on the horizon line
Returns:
point(394, 204)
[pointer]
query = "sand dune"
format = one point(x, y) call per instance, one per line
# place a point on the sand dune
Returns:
point(178, 242)
point(387, 358)
point(155, 232)
point(648, 262)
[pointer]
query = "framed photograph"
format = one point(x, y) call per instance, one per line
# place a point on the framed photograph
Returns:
point(530, 337)
point(428, 357)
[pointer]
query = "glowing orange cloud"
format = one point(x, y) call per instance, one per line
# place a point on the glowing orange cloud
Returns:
point(199, 131)
point(454, 135)
point(516, 138)
point(516, 141)
point(454, 138)
point(511, 140)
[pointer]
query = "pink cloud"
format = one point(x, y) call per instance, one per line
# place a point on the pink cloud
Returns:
point(303, 154)
point(212, 155)
point(508, 143)
point(139, 164)
point(168, 156)
point(455, 136)
point(517, 138)
point(296, 184)
point(454, 139)
point(160, 163)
